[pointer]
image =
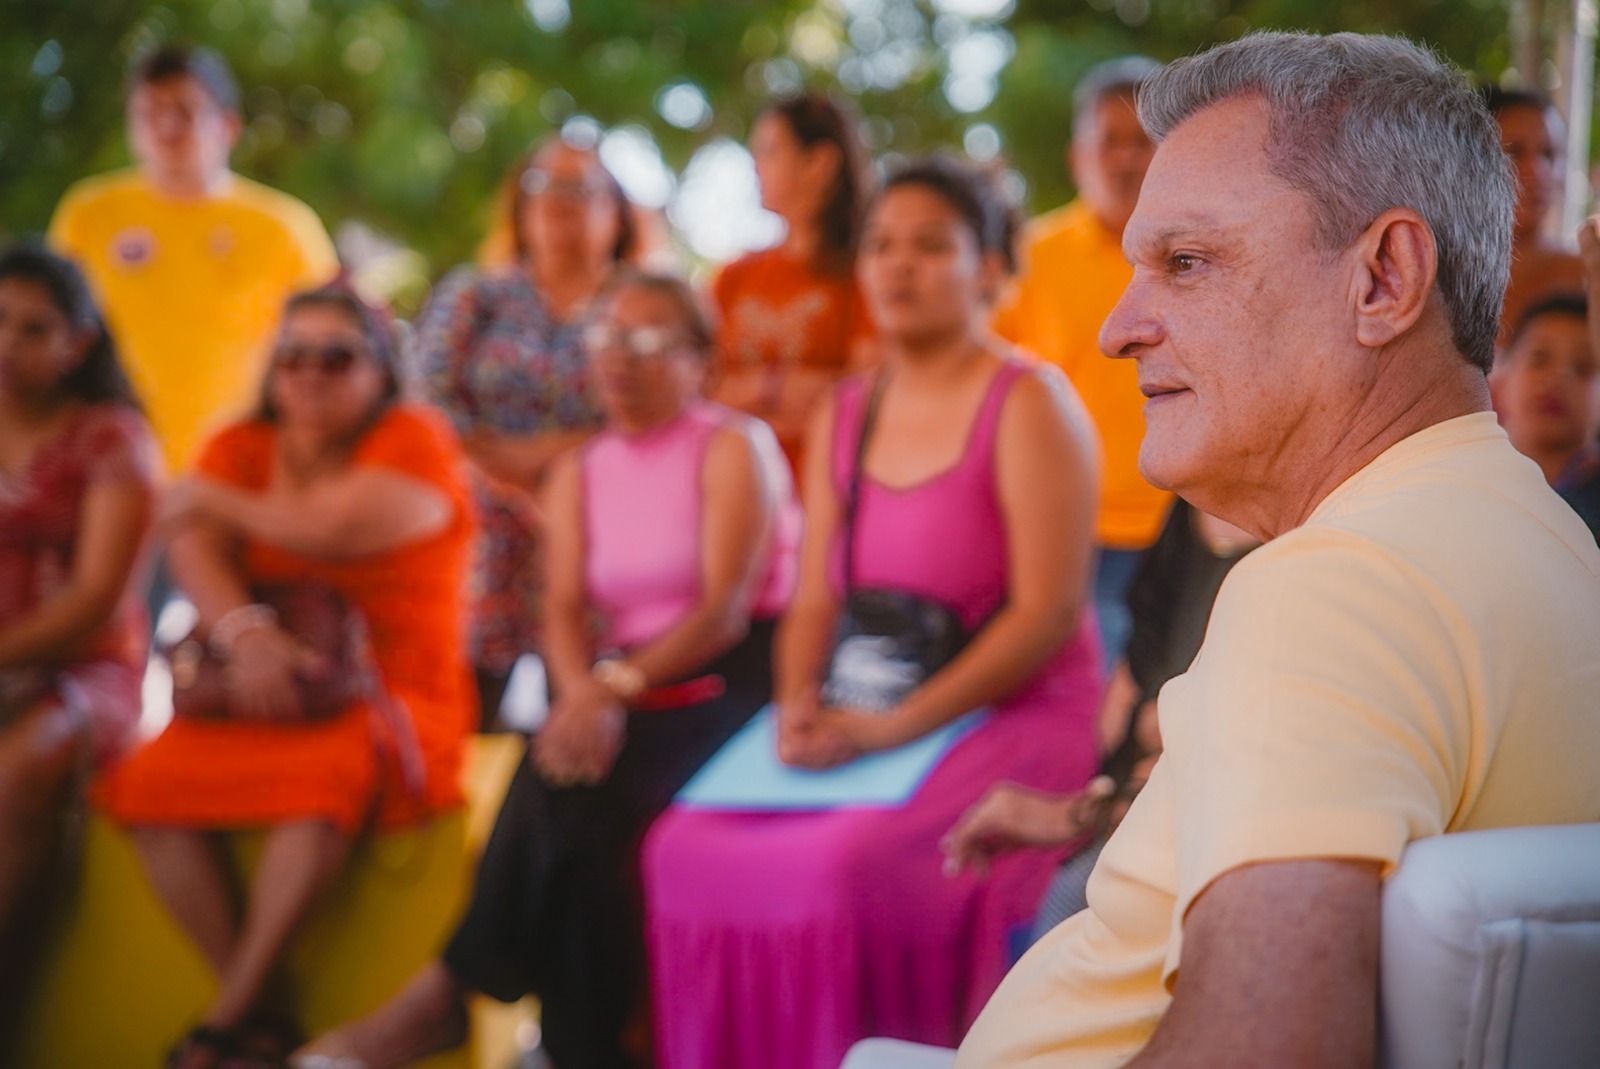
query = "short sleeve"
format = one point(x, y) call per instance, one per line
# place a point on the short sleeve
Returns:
point(119, 448)
point(315, 259)
point(240, 455)
point(417, 442)
point(1326, 715)
point(63, 235)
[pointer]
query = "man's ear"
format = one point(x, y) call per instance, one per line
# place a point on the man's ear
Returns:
point(1395, 264)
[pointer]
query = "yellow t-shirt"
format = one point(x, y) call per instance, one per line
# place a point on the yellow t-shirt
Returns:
point(1073, 274)
point(191, 289)
point(1421, 656)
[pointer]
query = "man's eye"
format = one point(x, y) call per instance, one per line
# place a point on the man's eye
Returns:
point(1183, 262)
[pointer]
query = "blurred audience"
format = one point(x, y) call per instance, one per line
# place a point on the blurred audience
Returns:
point(671, 540)
point(332, 486)
point(77, 498)
point(1073, 272)
point(1546, 388)
point(1532, 136)
point(500, 352)
point(1170, 601)
point(793, 317)
point(778, 939)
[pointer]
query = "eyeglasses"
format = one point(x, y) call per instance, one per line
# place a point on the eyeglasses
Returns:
point(641, 343)
point(335, 358)
point(536, 182)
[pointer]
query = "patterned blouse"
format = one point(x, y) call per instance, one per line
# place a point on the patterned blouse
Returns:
point(490, 355)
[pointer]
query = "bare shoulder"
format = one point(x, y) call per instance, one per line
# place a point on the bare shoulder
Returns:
point(1043, 402)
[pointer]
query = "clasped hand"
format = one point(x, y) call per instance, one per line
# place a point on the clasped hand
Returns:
point(580, 742)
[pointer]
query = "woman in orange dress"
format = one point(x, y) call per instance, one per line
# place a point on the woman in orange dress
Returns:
point(335, 483)
point(793, 320)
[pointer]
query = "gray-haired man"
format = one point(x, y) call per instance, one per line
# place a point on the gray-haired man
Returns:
point(1320, 250)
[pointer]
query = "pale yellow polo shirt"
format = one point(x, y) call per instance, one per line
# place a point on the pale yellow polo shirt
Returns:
point(1421, 656)
point(192, 290)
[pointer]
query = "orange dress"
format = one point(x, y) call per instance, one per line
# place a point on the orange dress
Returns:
point(229, 774)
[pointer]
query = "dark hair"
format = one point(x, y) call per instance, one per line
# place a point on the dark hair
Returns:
point(1498, 98)
point(627, 228)
point(692, 309)
point(184, 60)
point(816, 119)
point(1120, 77)
point(377, 330)
point(972, 192)
point(1573, 304)
point(98, 378)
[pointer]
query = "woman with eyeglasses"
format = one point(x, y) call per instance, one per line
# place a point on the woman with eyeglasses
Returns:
point(333, 485)
point(77, 501)
point(671, 550)
point(500, 353)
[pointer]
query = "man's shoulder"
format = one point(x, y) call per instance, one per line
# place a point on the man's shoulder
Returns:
point(101, 192)
point(272, 205)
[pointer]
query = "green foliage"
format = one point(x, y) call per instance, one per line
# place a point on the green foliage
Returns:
point(405, 114)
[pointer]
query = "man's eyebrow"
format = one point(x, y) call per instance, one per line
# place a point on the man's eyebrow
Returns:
point(1204, 231)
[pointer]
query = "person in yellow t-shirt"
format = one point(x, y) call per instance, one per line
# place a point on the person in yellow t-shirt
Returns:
point(191, 262)
point(1073, 272)
point(1320, 250)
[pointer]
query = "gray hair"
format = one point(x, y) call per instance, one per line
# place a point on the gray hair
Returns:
point(1363, 124)
point(1120, 77)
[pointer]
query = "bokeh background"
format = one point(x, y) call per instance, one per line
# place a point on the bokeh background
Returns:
point(396, 119)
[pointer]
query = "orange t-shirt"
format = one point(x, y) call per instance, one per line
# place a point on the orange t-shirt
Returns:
point(1073, 274)
point(778, 311)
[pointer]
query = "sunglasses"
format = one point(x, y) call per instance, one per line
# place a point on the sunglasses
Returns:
point(641, 343)
point(335, 358)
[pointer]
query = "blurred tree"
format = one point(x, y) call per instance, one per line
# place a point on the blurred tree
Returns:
point(403, 115)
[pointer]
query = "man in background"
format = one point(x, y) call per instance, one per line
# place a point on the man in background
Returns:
point(1073, 273)
point(191, 262)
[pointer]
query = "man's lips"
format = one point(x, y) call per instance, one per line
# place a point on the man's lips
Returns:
point(1155, 391)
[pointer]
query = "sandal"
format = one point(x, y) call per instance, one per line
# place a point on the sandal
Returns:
point(215, 1043)
point(264, 1043)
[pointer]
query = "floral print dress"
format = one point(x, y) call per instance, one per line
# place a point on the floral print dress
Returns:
point(493, 357)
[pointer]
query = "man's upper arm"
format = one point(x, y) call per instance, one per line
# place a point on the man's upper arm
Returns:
point(1279, 968)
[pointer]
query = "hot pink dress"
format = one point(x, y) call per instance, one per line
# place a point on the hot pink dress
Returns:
point(778, 939)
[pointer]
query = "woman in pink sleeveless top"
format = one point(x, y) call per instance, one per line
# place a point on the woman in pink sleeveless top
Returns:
point(778, 939)
point(670, 540)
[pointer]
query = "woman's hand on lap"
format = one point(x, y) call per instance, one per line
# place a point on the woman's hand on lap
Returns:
point(262, 670)
point(1011, 816)
point(581, 741)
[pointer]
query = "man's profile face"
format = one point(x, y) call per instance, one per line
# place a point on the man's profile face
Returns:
point(1108, 158)
point(177, 130)
point(1234, 316)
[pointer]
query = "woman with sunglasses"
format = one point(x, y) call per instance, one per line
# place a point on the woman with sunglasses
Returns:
point(500, 353)
point(954, 487)
point(77, 499)
point(675, 530)
point(336, 484)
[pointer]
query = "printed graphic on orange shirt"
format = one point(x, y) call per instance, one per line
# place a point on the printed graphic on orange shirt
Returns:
point(780, 328)
point(133, 247)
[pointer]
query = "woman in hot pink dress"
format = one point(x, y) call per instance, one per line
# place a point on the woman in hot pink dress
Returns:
point(778, 939)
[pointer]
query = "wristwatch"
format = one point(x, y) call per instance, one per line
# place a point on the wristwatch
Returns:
point(625, 680)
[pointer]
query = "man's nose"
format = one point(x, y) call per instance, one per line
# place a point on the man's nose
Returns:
point(1131, 327)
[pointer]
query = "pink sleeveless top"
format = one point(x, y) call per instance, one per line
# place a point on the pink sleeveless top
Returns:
point(943, 538)
point(642, 507)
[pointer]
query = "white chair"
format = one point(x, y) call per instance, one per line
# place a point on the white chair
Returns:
point(1490, 960)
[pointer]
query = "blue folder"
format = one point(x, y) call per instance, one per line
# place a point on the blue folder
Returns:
point(747, 775)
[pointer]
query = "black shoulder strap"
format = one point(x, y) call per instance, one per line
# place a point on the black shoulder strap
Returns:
point(853, 494)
